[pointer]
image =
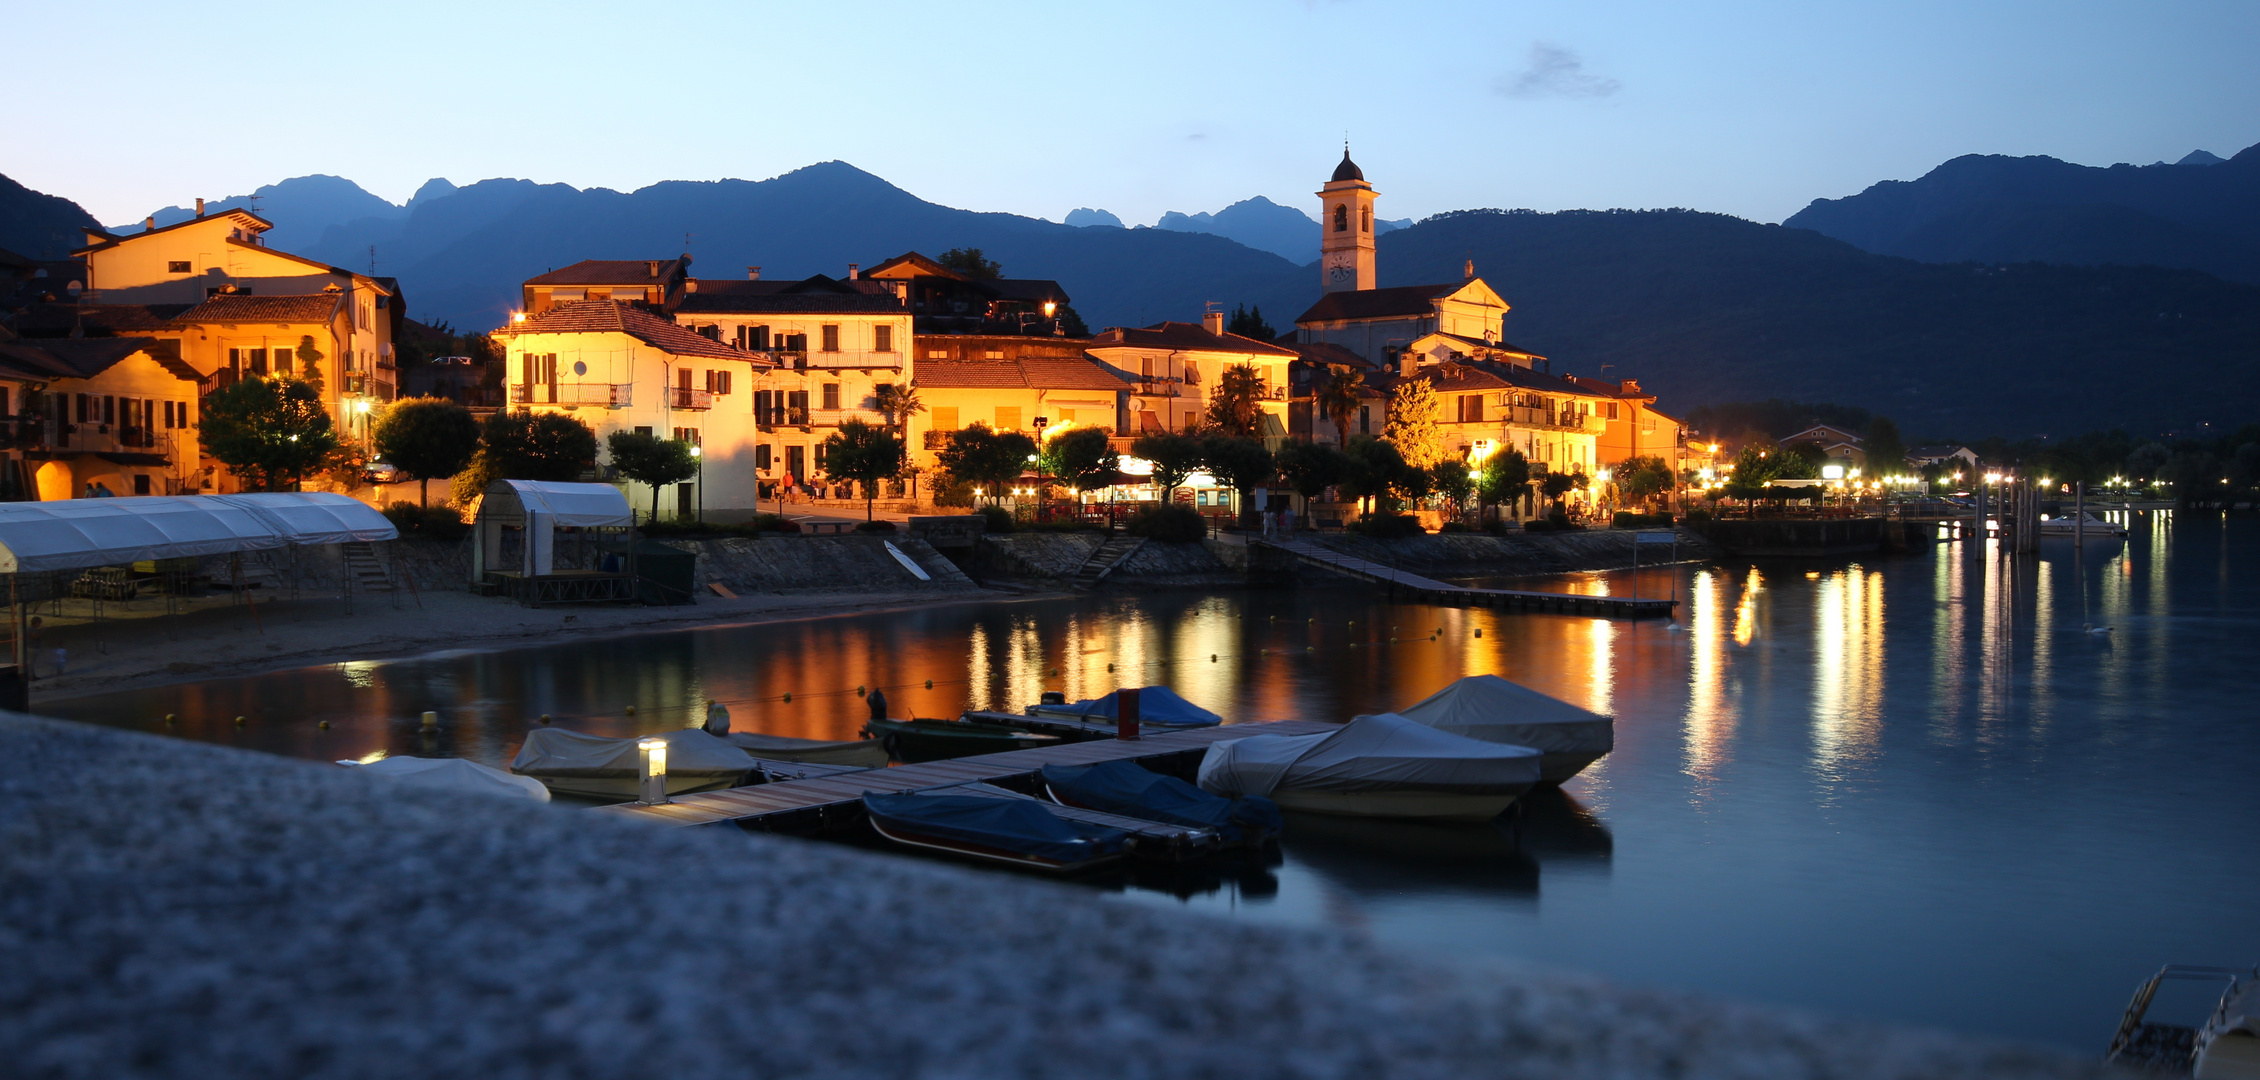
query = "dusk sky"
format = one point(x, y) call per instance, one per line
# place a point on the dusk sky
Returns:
point(1750, 108)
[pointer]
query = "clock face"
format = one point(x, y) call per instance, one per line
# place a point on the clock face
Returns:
point(1340, 272)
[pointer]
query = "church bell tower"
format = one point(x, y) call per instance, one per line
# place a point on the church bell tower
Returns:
point(1345, 259)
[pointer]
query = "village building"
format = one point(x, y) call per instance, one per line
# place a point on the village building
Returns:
point(1632, 427)
point(100, 416)
point(618, 367)
point(944, 301)
point(653, 284)
point(1837, 443)
point(1491, 405)
point(1174, 367)
point(1950, 455)
point(1041, 396)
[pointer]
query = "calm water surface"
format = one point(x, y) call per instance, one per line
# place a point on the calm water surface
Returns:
point(1908, 787)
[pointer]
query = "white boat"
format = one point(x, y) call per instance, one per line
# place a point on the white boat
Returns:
point(868, 753)
point(592, 766)
point(451, 774)
point(1492, 709)
point(2225, 1046)
point(1375, 766)
point(2084, 525)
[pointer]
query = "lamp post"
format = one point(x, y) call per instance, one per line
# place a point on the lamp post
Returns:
point(651, 771)
point(698, 455)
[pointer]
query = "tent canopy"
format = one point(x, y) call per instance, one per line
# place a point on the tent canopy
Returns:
point(1490, 708)
point(72, 534)
point(576, 505)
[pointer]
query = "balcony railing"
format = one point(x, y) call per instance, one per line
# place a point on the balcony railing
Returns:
point(613, 395)
point(804, 417)
point(683, 397)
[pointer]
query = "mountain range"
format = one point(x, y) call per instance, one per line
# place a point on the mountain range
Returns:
point(1701, 308)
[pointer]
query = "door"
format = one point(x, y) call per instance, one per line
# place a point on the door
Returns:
point(796, 463)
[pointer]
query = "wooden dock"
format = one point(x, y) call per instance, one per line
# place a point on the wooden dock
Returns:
point(1405, 585)
point(821, 803)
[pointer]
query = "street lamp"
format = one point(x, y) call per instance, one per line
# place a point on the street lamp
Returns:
point(698, 455)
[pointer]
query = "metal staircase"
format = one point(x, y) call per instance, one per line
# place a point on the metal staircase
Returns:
point(365, 570)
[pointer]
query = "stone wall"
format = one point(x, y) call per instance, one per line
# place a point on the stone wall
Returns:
point(784, 564)
point(1513, 554)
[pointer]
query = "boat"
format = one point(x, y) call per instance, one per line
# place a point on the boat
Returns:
point(1016, 832)
point(920, 739)
point(2225, 1046)
point(1375, 766)
point(867, 753)
point(595, 767)
point(1128, 789)
point(451, 774)
point(1492, 709)
point(1159, 708)
point(2082, 524)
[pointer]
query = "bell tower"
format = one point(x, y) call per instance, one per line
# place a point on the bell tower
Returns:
point(1345, 222)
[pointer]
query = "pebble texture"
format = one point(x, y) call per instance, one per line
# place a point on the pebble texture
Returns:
point(180, 910)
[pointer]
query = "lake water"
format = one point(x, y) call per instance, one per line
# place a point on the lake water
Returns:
point(1909, 788)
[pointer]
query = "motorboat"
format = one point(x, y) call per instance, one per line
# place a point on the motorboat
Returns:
point(1375, 766)
point(1492, 709)
point(451, 774)
point(2082, 524)
point(919, 739)
point(596, 767)
point(867, 753)
point(2224, 1046)
point(1131, 790)
point(1018, 832)
point(1159, 707)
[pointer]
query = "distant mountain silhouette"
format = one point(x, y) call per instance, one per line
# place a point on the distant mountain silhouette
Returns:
point(1264, 225)
point(2201, 213)
point(302, 208)
point(1087, 218)
point(40, 226)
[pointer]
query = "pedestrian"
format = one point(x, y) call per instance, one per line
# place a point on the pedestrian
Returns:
point(877, 699)
point(717, 718)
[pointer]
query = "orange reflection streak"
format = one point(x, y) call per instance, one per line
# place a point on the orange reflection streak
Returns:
point(1746, 612)
point(1848, 671)
point(1711, 717)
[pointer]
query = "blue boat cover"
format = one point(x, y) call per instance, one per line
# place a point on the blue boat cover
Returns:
point(1157, 705)
point(1122, 787)
point(1021, 826)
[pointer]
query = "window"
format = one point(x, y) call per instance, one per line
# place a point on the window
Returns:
point(945, 417)
point(178, 266)
point(831, 338)
point(643, 430)
point(753, 338)
point(1342, 217)
point(761, 458)
point(831, 395)
point(1008, 418)
point(1609, 410)
point(687, 435)
point(718, 382)
point(258, 359)
point(1365, 419)
point(1366, 219)
point(994, 354)
point(109, 409)
point(937, 354)
point(1471, 408)
point(141, 483)
point(883, 338)
point(683, 380)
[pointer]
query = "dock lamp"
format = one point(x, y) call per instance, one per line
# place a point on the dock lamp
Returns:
point(698, 456)
point(651, 772)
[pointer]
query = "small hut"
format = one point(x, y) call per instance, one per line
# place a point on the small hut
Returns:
point(518, 551)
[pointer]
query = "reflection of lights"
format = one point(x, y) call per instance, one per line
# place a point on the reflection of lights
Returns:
point(1746, 612)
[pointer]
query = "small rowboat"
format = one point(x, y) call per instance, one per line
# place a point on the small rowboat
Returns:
point(1015, 832)
point(918, 739)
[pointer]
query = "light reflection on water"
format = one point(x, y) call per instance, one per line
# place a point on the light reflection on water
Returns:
point(1907, 787)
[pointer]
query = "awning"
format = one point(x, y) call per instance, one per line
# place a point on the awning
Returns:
point(575, 505)
point(74, 533)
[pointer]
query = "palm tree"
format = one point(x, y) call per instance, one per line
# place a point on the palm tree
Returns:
point(1338, 399)
point(898, 402)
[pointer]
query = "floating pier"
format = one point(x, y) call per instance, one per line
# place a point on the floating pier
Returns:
point(1405, 585)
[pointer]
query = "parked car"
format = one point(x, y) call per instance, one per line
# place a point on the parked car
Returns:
point(383, 472)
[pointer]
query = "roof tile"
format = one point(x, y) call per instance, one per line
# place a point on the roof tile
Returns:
point(612, 317)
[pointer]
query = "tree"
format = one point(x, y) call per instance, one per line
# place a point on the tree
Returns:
point(1887, 455)
point(1083, 457)
point(1643, 477)
point(1376, 471)
point(537, 446)
point(1505, 477)
point(648, 459)
point(427, 438)
point(1338, 399)
point(992, 459)
point(1311, 468)
point(1174, 458)
point(1455, 482)
point(898, 402)
point(1236, 405)
point(1557, 486)
point(971, 263)
point(1242, 464)
point(269, 432)
point(1070, 323)
point(1416, 423)
point(865, 455)
point(1248, 322)
point(310, 362)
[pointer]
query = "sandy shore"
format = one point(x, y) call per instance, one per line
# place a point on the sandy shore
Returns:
point(138, 644)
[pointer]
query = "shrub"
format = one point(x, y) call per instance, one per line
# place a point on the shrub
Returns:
point(1387, 526)
point(1455, 527)
point(1168, 523)
point(1626, 519)
point(434, 523)
point(772, 523)
point(998, 519)
point(951, 491)
point(876, 526)
point(1694, 516)
point(1538, 525)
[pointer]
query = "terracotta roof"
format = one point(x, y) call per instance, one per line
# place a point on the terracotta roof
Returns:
point(1329, 353)
point(1033, 290)
point(1185, 336)
point(1496, 346)
point(102, 320)
point(787, 303)
point(24, 360)
point(84, 358)
point(1033, 373)
point(1397, 302)
point(1613, 388)
point(609, 272)
point(1476, 375)
point(612, 317)
point(243, 308)
point(112, 239)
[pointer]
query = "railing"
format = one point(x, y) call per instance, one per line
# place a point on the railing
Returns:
point(610, 394)
point(683, 397)
point(846, 358)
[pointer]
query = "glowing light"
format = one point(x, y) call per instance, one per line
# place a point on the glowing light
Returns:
point(698, 451)
point(1832, 472)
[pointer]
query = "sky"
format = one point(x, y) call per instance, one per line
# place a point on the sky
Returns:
point(1748, 108)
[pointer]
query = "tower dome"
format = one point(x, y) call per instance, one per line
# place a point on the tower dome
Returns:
point(1347, 170)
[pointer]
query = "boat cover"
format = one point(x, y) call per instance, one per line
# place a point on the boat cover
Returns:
point(690, 752)
point(454, 774)
point(1020, 826)
point(1123, 787)
point(1385, 752)
point(1157, 705)
point(1492, 709)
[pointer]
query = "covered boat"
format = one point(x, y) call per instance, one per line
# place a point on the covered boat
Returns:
point(1018, 832)
point(1158, 707)
point(1126, 788)
point(869, 753)
point(451, 774)
point(592, 766)
point(920, 739)
point(1492, 709)
point(1376, 766)
point(2082, 524)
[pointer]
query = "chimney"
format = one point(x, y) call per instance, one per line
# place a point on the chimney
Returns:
point(1408, 363)
point(753, 273)
point(1213, 322)
point(149, 224)
point(1468, 273)
point(651, 268)
point(199, 208)
point(690, 284)
point(854, 271)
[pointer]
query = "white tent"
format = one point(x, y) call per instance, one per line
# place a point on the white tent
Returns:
point(540, 508)
point(595, 766)
point(452, 774)
point(1384, 766)
point(1492, 709)
point(72, 534)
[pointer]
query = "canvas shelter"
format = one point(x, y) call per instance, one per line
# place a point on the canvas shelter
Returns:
point(530, 512)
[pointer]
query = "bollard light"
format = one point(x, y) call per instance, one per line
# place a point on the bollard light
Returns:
point(431, 720)
point(651, 778)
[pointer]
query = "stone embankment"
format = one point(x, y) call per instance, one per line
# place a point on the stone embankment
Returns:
point(1053, 558)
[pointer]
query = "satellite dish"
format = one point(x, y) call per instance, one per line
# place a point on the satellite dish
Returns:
point(73, 288)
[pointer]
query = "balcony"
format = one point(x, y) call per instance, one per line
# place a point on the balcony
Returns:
point(801, 416)
point(609, 395)
point(683, 397)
